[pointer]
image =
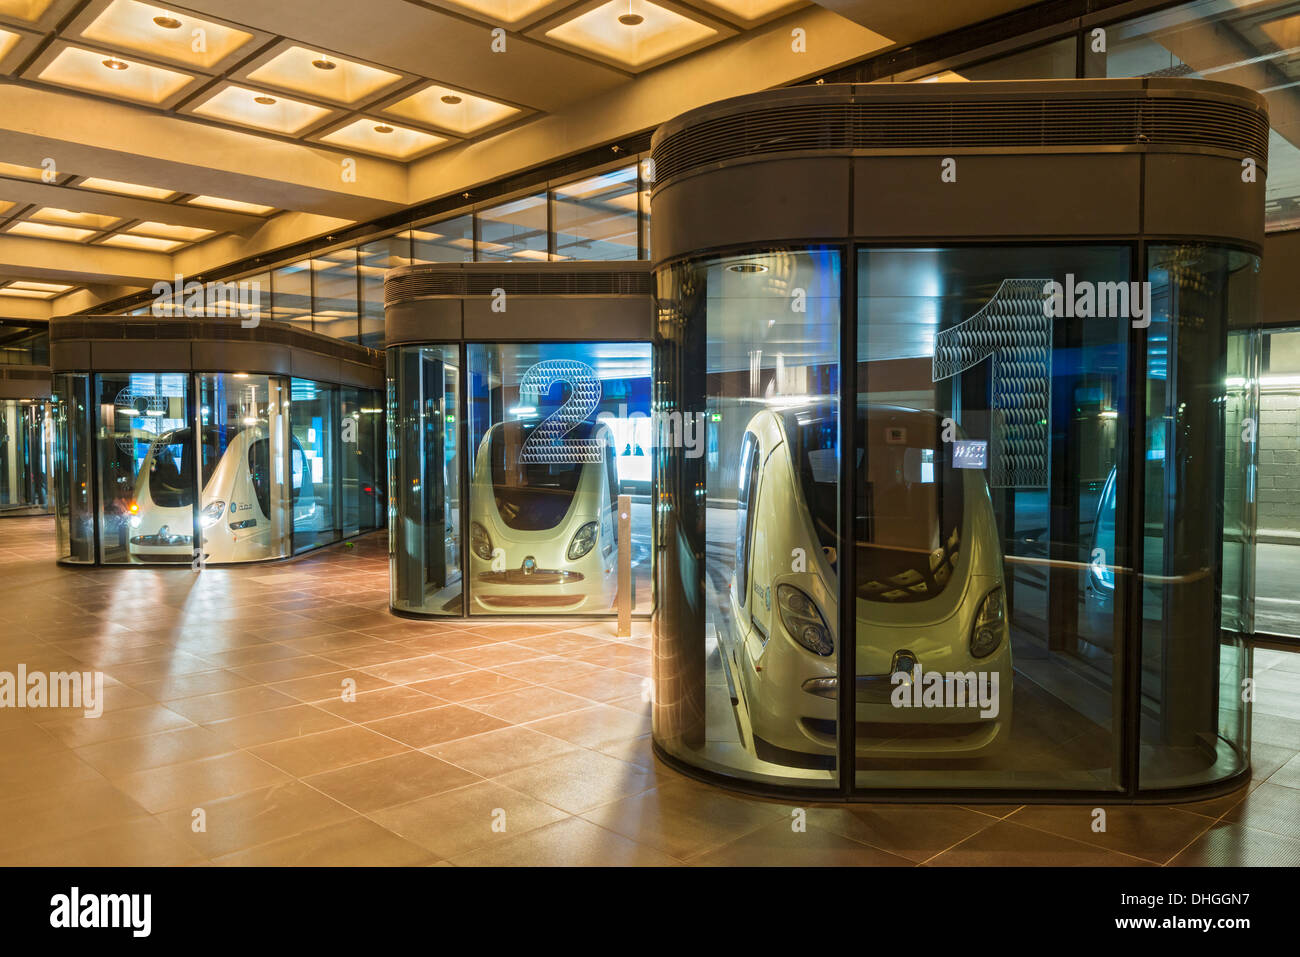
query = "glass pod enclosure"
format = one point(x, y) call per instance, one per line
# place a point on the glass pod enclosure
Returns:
point(519, 438)
point(26, 443)
point(160, 444)
point(970, 518)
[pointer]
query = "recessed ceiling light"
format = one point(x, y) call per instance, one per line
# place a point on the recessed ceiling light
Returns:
point(169, 231)
point(135, 80)
point(245, 107)
point(394, 142)
point(45, 231)
point(155, 31)
point(67, 217)
point(126, 189)
point(234, 205)
point(21, 172)
point(451, 109)
point(322, 76)
point(40, 286)
point(150, 243)
point(662, 32)
point(8, 40)
point(747, 267)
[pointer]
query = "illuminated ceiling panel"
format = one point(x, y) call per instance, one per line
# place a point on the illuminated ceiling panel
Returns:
point(168, 231)
point(66, 217)
point(8, 40)
point(46, 231)
point(750, 11)
point(245, 107)
point(322, 76)
point(150, 243)
point(383, 139)
point(40, 286)
point(29, 10)
point(451, 109)
point(233, 205)
point(20, 172)
point(126, 189)
point(113, 76)
point(5, 206)
point(165, 33)
point(506, 12)
point(635, 33)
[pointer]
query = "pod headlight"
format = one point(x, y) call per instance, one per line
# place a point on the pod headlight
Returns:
point(211, 513)
point(584, 540)
point(480, 542)
point(803, 620)
point(986, 634)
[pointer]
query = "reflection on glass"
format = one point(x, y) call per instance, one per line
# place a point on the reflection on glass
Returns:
point(448, 241)
point(25, 433)
point(557, 433)
point(424, 478)
point(147, 474)
point(374, 259)
point(1250, 44)
point(514, 230)
point(316, 481)
point(1277, 548)
point(74, 523)
point(361, 432)
point(748, 532)
point(1192, 727)
point(291, 294)
point(988, 434)
point(244, 507)
point(334, 295)
point(596, 218)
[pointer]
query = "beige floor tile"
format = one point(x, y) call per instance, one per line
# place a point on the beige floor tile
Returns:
point(569, 843)
point(1003, 843)
point(267, 726)
point(314, 753)
point(120, 757)
point(256, 817)
point(1150, 832)
point(423, 729)
point(528, 704)
point(139, 842)
point(580, 780)
point(385, 703)
point(76, 732)
point(191, 784)
point(780, 845)
point(498, 752)
point(469, 685)
point(231, 704)
point(459, 821)
point(354, 843)
point(331, 686)
point(37, 819)
point(397, 780)
point(595, 727)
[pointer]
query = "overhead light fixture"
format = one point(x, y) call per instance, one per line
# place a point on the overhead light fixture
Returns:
point(455, 110)
point(631, 19)
point(661, 32)
point(135, 80)
point(155, 31)
point(748, 268)
point(383, 128)
point(244, 106)
point(113, 63)
point(234, 205)
point(147, 243)
point(324, 63)
point(382, 139)
point(48, 231)
point(169, 231)
point(322, 76)
point(451, 99)
point(264, 100)
point(126, 189)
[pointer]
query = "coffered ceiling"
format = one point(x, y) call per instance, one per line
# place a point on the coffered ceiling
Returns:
point(139, 139)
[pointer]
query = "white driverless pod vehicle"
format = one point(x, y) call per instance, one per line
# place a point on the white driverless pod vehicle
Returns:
point(236, 504)
point(543, 536)
point(931, 618)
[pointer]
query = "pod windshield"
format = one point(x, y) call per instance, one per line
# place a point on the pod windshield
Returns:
point(171, 471)
point(909, 504)
point(532, 496)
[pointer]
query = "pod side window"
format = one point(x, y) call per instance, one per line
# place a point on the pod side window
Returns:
point(746, 493)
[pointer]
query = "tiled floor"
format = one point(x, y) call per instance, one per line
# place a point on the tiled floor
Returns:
point(226, 740)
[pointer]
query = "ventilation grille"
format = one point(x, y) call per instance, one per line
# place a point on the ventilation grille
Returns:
point(148, 329)
point(421, 282)
point(1020, 123)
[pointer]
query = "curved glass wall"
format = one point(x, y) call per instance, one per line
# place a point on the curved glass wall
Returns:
point(1035, 552)
point(555, 435)
point(26, 450)
point(424, 475)
point(249, 467)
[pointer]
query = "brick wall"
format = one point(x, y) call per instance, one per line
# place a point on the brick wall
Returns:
point(1279, 466)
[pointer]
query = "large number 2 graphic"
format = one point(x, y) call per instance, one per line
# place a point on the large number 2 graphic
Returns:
point(548, 443)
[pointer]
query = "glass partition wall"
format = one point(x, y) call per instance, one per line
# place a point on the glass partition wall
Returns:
point(1037, 511)
point(553, 434)
point(252, 467)
point(26, 452)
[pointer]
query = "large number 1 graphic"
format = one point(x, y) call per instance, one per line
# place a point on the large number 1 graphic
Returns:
point(549, 443)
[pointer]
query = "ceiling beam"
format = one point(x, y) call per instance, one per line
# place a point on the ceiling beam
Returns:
point(126, 207)
point(48, 260)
